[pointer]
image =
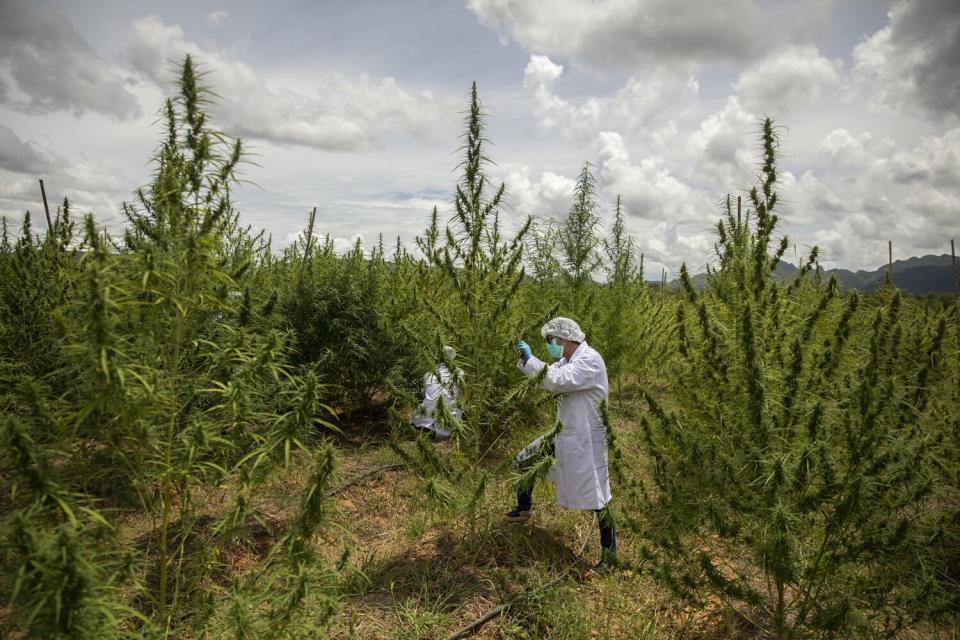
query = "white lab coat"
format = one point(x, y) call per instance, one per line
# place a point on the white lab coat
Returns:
point(437, 385)
point(580, 471)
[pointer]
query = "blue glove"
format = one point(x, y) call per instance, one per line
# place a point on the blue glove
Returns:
point(525, 352)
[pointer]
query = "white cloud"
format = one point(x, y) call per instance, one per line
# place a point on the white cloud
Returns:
point(94, 183)
point(649, 189)
point(842, 146)
point(933, 165)
point(723, 149)
point(787, 80)
point(343, 245)
point(915, 59)
point(666, 245)
point(53, 69)
point(639, 105)
point(548, 197)
point(849, 179)
point(551, 110)
point(347, 114)
point(216, 18)
point(797, 22)
point(541, 72)
point(622, 34)
point(421, 205)
point(90, 187)
point(18, 156)
point(648, 97)
point(910, 196)
point(660, 137)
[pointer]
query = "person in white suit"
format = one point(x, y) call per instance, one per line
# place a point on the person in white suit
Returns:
point(580, 472)
point(440, 384)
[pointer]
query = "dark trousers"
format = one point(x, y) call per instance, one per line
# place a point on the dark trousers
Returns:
point(608, 536)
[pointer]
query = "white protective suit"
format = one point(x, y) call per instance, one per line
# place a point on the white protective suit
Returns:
point(437, 385)
point(580, 471)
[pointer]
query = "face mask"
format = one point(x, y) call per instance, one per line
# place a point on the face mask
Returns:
point(555, 350)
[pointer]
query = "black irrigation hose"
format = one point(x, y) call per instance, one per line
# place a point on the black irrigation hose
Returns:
point(363, 476)
point(471, 628)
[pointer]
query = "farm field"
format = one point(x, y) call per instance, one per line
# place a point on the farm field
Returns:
point(205, 437)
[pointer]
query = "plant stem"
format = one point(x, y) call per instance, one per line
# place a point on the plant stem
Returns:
point(166, 486)
point(781, 622)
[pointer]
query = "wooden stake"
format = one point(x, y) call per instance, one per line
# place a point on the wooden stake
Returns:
point(738, 210)
point(46, 207)
point(663, 282)
point(307, 248)
point(956, 278)
point(956, 287)
point(956, 283)
point(890, 262)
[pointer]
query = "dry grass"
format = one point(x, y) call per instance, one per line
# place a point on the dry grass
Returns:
point(418, 570)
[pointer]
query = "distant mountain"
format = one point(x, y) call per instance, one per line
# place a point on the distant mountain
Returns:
point(917, 275)
point(929, 274)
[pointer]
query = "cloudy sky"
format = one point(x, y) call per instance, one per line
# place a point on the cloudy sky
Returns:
point(355, 107)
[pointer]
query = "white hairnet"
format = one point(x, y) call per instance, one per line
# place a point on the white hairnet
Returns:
point(449, 352)
point(563, 328)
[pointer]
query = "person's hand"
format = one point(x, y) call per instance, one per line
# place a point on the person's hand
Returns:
point(525, 351)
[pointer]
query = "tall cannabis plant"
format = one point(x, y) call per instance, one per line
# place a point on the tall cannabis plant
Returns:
point(796, 454)
point(543, 257)
point(344, 314)
point(170, 385)
point(580, 250)
point(483, 269)
point(621, 296)
point(632, 328)
point(38, 275)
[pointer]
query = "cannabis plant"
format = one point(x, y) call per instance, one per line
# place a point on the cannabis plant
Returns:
point(346, 315)
point(170, 384)
point(633, 326)
point(38, 275)
point(792, 462)
point(483, 270)
point(580, 251)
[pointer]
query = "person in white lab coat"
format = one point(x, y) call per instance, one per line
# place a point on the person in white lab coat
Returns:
point(436, 385)
point(580, 472)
